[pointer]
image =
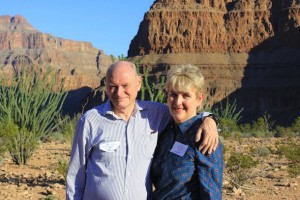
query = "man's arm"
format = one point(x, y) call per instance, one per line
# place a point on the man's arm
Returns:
point(75, 180)
point(207, 130)
point(207, 133)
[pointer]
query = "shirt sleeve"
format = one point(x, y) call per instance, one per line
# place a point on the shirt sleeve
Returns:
point(210, 173)
point(75, 181)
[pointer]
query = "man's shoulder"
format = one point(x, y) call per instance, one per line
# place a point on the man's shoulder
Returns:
point(96, 111)
point(150, 104)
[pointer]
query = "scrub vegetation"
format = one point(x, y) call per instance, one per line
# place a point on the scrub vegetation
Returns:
point(31, 114)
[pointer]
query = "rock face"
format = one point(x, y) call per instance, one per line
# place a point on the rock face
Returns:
point(21, 45)
point(247, 50)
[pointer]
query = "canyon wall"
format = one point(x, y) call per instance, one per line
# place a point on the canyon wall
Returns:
point(247, 50)
point(80, 64)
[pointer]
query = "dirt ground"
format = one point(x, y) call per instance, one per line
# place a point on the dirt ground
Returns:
point(40, 179)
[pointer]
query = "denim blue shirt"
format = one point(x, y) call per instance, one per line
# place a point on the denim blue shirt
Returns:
point(190, 175)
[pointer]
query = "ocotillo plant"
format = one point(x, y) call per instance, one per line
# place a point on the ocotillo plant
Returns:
point(28, 109)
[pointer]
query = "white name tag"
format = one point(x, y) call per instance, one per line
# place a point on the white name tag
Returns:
point(109, 146)
point(179, 149)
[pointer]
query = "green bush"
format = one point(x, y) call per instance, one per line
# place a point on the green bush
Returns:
point(263, 126)
point(292, 152)
point(293, 131)
point(50, 197)
point(239, 167)
point(62, 167)
point(261, 151)
point(29, 107)
point(229, 117)
point(65, 129)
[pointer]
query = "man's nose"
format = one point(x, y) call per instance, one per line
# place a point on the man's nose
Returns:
point(120, 90)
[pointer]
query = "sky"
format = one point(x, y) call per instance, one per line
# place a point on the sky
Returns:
point(109, 25)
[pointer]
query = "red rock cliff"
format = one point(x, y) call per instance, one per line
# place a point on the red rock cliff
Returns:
point(21, 45)
point(248, 50)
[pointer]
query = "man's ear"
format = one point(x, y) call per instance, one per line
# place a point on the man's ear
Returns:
point(139, 82)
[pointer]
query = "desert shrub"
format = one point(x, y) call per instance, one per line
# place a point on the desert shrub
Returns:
point(30, 106)
point(292, 131)
point(239, 167)
point(3, 147)
point(245, 129)
point(263, 126)
point(50, 197)
point(296, 126)
point(62, 167)
point(113, 58)
point(229, 117)
point(65, 129)
point(20, 142)
point(260, 151)
point(291, 151)
point(122, 57)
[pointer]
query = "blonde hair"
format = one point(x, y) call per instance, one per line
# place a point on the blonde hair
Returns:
point(182, 78)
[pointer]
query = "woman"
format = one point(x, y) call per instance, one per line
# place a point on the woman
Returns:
point(179, 170)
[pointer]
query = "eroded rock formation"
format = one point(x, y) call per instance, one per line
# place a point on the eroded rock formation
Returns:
point(22, 45)
point(248, 50)
point(80, 64)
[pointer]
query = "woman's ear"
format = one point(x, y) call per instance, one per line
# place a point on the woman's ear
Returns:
point(200, 99)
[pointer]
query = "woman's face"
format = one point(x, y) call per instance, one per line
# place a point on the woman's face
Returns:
point(183, 105)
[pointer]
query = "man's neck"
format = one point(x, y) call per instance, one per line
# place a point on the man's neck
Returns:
point(125, 114)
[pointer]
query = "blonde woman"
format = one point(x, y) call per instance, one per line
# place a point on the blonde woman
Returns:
point(179, 170)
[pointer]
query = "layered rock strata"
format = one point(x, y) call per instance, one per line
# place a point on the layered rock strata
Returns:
point(247, 50)
point(80, 64)
point(22, 45)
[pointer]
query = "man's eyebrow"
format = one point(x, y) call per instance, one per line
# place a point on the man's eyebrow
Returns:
point(112, 84)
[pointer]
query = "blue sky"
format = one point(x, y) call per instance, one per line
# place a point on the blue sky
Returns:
point(109, 25)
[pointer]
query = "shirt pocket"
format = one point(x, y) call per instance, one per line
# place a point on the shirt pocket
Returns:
point(148, 144)
point(103, 154)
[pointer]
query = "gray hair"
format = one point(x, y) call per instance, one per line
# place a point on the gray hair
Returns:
point(118, 63)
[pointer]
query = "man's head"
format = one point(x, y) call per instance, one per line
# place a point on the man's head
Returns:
point(122, 86)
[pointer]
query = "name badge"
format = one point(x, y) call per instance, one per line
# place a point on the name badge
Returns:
point(179, 149)
point(109, 146)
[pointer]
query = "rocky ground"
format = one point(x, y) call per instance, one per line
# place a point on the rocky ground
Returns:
point(40, 179)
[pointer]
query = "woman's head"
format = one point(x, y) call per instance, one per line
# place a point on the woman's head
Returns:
point(185, 86)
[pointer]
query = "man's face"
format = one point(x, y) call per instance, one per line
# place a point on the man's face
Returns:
point(122, 87)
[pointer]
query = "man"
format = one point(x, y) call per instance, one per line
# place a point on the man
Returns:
point(114, 142)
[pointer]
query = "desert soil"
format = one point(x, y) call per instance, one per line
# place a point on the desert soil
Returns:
point(40, 179)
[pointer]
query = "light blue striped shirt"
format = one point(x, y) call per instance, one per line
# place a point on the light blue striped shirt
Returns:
point(100, 168)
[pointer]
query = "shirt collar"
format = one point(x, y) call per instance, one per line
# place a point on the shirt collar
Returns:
point(107, 109)
point(187, 124)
